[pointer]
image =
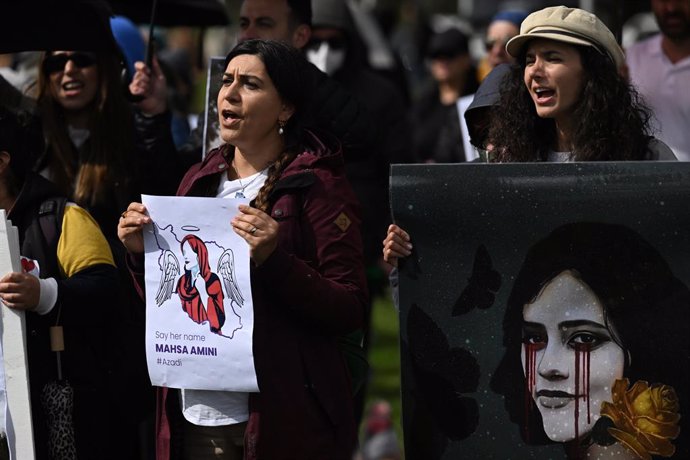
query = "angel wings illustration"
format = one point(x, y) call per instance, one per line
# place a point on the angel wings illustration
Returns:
point(201, 291)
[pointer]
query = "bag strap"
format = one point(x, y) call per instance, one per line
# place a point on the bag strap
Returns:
point(50, 215)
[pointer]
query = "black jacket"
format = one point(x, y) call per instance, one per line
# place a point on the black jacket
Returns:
point(84, 305)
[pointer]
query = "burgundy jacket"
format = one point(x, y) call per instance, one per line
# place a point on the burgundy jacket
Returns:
point(306, 294)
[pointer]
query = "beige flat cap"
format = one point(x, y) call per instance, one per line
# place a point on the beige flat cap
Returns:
point(568, 25)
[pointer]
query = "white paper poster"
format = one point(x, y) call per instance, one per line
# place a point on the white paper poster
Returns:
point(15, 402)
point(199, 311)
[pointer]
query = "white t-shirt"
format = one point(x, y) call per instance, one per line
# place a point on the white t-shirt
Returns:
point(216, 408)
point(470, 151)
point(666, 88)
point(559, 157)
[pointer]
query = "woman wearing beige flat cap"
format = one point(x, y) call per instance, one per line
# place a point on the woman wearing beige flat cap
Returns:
point(563, 101)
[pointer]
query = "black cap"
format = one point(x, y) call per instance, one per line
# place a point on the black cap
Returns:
point(449, 43)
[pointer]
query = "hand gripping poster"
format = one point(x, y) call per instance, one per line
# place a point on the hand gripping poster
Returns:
point(545, 310)
point(199, 312)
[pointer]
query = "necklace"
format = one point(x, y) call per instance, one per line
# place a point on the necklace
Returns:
point(240, 193)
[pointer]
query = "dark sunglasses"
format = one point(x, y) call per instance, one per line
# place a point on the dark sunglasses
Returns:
point(56, 62)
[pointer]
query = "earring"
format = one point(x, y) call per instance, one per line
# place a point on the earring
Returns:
point(281, 126)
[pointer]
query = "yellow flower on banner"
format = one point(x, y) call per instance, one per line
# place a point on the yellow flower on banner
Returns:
point(645, 417)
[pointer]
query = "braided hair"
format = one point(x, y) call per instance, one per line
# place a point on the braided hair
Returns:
point(287, 69)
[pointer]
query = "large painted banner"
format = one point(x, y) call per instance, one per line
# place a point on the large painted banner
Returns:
point(545, 310)
point(199, 311)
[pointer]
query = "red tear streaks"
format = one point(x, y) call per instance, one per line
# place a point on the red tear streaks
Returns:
point(530, 382)
point(582, 384)
point(578, 355)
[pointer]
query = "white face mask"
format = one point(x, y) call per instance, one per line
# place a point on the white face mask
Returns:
point(327, 59)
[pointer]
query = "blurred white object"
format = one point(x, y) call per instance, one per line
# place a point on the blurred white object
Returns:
point(639, 27)
point(380, 53)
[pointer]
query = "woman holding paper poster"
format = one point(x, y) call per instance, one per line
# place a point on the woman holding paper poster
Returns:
point(565, 101)
point(307, 272)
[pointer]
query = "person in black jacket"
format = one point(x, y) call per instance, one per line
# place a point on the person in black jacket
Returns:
point(74, 288)
point(337, 49)
point(437, 134)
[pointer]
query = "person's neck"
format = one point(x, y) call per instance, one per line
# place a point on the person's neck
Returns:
point(78, 120)
point(449, 91)
point(675, 49)
point(563, 136)
point(250, 160)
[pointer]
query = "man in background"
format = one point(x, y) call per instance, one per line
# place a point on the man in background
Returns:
point(333, 107)
point(660, 69)
point(288, 21)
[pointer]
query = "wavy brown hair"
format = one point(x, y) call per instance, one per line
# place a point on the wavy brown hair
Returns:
point(287, 69)
point(87, 176)
point(612, 120)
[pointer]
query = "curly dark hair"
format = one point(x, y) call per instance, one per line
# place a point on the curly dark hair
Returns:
point(612, 119)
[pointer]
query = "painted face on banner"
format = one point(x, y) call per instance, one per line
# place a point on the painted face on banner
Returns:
point(569, 357)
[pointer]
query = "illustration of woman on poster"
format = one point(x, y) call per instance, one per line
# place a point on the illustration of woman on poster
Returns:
point(200, 290)
point(597, 347)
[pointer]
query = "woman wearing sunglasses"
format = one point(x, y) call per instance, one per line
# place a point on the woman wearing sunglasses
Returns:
point(93, 153)
point(96, 157)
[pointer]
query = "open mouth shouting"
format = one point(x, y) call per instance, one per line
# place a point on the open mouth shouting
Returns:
point(72, 87)
point(228, 118)
point(543, 95)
